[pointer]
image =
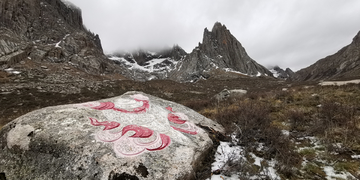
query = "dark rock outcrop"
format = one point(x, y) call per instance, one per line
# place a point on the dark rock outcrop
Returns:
point(49, 30)
point(219, 49)
point(142, 57)
point(281, 73)
point(345, 64)
point(133, 136)
point(148, 65)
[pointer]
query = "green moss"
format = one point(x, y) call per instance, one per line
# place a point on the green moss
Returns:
point(308, 153)
point(311, 168)
point(350, 166)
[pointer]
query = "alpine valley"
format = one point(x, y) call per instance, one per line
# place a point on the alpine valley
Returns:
point(252, 122)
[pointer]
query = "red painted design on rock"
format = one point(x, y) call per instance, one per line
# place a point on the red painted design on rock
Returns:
point(180, 119)
point(169, 108)
point(108, 125)
point(133, 139)
point(140, 132)
point(175, 119)
point(110, 105)
point(165, 139)
point(141, 109)
point(189, 130)
point(104, 106)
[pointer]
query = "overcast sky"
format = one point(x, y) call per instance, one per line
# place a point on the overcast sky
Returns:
point(288, 33)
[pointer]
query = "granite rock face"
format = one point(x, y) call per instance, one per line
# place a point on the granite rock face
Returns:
point(51, 31)
point(219, 49)
point(345, 64)
point(133, 136)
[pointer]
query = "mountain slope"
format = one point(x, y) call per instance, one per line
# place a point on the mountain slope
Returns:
point(345, 64)
point(49, 31)
point(219, 49)
point(147, 65)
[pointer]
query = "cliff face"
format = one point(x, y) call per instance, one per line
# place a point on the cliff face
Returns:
point(219, 49)
point(345, 64)
point(51, 31)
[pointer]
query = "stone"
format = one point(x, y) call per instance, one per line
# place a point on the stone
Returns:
point(219, 49)
point(225, 94)
point(133, 136)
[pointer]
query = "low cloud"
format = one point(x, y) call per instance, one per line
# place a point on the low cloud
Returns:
point(288, 33)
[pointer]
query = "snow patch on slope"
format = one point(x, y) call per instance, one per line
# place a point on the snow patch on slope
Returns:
point(276, 74)
point(154, 65)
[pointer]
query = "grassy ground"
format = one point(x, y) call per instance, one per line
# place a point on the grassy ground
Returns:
point(305, 129)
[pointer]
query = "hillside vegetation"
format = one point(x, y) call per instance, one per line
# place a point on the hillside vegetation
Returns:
point(307, 132)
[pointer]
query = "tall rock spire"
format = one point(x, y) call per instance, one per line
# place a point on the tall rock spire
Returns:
point(219, 49)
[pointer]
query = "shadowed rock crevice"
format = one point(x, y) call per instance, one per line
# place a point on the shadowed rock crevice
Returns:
point(141, 169)
point(123, 176)
point(2, 176)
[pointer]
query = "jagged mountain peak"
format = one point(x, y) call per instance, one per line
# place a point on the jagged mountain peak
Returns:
point(221, 46)
point(218, 50)
point(280, 73)
point(356, 39)
point(49, 31)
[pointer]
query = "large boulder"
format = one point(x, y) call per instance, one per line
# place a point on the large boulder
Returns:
point(133, 136)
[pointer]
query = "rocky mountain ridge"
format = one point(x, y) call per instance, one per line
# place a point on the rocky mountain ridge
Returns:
point(344, 64)
point(281, 73)
point(219, 53)
point(49, 31)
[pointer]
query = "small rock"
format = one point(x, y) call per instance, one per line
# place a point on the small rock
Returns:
point(5, 93)
point(44, 67)
point(67, 68)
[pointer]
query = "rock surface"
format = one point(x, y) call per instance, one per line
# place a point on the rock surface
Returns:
point(281, 73)
point(345, 64)
point(219, 49)
point(219, 53)
point(150, 65)
point(133, 136)
point(49, 31)
point(226, 94)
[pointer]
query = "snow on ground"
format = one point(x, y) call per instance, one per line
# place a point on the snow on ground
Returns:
point(339, 83)
point(57, 45)
point(267, 171)
point(12, 71)
point(233, 71)
point(331, 175)
point(258, 74)
point(222, 177)
point(226, 152)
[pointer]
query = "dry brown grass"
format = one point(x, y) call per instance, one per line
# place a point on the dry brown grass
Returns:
point(331, 114)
